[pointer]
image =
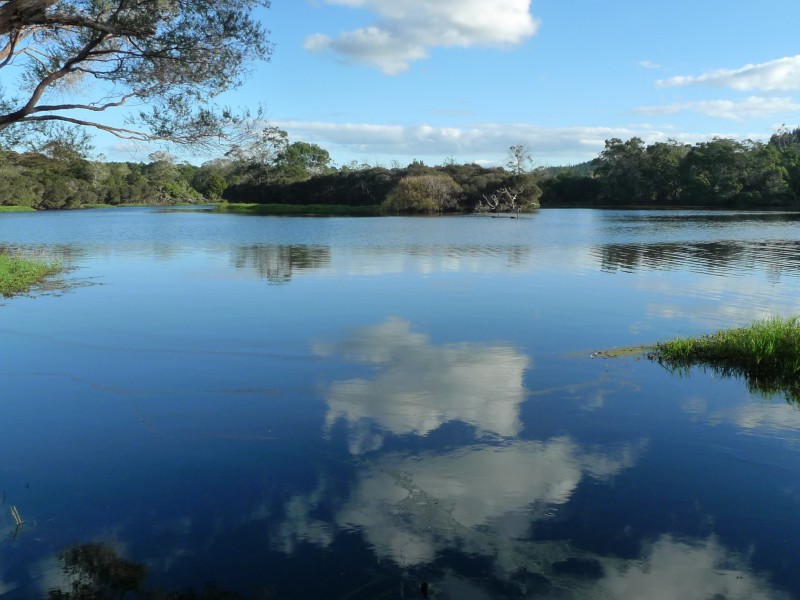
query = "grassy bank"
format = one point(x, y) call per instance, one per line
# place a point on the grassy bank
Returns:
point(18, 274)
point(4, 209)
point(766, 354)
point(141, 205)
point(342, 210)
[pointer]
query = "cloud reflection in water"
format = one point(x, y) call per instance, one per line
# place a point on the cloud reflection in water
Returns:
point(409, 507)
point(420, 386)
point(676, 570)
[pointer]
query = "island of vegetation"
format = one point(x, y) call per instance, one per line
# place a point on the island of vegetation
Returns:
point(19, 274)
point(766, 354)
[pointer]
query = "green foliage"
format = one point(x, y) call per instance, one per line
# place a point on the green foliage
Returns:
point(67, 181)
point(720, 173)
point(19, 274)
point(766, 354)
point(173, 56)
point(301, 161)
point(13, 208)
point(460, 188)
point(431, 193)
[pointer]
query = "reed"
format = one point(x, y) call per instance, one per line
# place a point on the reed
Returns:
point(766, 353)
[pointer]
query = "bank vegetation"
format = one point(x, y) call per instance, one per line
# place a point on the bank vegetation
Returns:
point(766, 354)
point(19, 274)
point(717, 174)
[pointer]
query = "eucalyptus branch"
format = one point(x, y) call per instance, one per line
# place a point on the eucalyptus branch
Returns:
point(56, 75)
point(92, 107)
point(120, 132)
point(16, 15)
point(178, 54)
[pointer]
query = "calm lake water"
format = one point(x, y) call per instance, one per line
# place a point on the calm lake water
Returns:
point(397, 407)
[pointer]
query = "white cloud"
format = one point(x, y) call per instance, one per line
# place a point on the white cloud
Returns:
point(420, 386)
point(473, 142)
point(649, 64)
point(781, 74)
point(405, 31)
point(754, 106)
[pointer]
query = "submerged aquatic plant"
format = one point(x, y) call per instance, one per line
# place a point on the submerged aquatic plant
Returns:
point(766, 354)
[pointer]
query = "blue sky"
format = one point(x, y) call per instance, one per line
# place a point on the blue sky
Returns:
point(382, 80)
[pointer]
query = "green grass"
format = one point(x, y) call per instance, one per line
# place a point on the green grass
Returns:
point(766, 354)
point(300, 209)
point(19, 274)
point(140, 205)
point(4, 209)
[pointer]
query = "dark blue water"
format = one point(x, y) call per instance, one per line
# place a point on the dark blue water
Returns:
point(395, 408)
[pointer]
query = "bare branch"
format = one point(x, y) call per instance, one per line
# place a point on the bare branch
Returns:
point(120, 132)
point(8, 52)
point(40, 89)
point(92, 107)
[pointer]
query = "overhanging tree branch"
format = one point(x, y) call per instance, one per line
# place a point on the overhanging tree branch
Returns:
point(173, 55)
point(16, 15)
point(120, 132)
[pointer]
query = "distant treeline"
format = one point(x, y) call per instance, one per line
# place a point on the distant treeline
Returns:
point(59, 180)
point(416, 188)
point(296, 174)
point(721, 173)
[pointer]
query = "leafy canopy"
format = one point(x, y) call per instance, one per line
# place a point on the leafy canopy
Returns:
point(168, 57)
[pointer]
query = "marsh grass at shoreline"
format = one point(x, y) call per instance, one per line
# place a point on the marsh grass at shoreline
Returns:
point(766, 354)
point(18, 274)
point(343, 210)
point(14, 208)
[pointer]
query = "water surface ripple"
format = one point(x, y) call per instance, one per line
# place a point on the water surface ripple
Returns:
point(278, 407)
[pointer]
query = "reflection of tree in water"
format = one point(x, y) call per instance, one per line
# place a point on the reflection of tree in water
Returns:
point(516, 255)
point(775, 257)
point(96, 572)
point(276, 263)
point(659, 221)
point(765, 382)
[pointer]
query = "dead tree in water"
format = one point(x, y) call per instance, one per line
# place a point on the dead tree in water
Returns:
point(504, 200)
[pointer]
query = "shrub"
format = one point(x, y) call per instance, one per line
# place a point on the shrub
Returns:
point(423, 194)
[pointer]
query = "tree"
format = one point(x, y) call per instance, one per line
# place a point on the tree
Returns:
point(300, 161)
point(514, 194)
point(260, 147)
point(423, 194)
point(661, 171)
point(172, 56)
point(715, 172)
point(621, 169)
point(209, 183)
point(520, 159)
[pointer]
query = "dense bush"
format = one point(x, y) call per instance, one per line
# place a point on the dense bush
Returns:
point(433, 193)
